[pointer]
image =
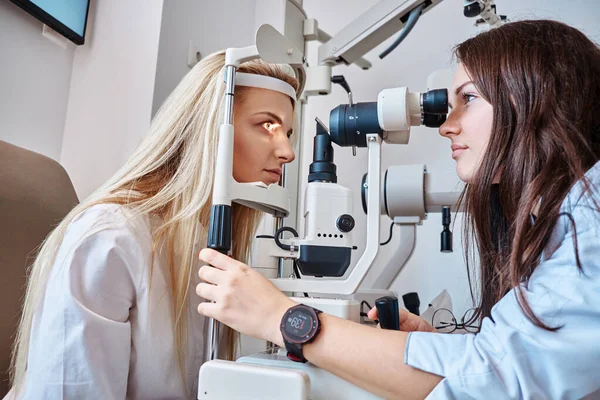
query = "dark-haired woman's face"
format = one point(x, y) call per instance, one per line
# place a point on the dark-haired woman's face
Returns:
point(469, 124)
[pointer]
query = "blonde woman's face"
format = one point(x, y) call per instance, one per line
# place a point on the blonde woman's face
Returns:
point(263, 125)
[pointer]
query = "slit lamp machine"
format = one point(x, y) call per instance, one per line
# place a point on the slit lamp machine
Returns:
point(322, 255)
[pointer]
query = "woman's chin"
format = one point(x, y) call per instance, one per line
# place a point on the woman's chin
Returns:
point(465, 174)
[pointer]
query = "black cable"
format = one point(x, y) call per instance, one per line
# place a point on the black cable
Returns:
point(287, 247)
point(340, 80)
point(413, 17)
point(364, 303)
point(390, 238)
point(279, 232)
point(364, 314)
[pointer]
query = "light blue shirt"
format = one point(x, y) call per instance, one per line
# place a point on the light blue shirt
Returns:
point(511, 357)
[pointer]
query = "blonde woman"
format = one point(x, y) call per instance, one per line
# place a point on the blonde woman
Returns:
point(110, 309)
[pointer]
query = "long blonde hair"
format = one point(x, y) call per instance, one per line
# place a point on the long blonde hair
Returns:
point(170, 175)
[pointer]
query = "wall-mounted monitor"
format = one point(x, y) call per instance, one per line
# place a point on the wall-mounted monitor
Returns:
point(67, 17)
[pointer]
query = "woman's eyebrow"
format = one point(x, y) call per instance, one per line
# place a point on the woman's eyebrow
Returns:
point(272, 115)
point(457, 91)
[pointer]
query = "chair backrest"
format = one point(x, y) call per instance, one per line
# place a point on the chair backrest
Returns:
point(35, 195)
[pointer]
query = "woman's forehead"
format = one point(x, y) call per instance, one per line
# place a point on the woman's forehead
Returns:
point(257, 99)
point(460, 76)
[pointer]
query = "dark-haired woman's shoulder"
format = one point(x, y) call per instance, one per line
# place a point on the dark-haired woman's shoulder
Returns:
point(585, 194)
point(579, 218)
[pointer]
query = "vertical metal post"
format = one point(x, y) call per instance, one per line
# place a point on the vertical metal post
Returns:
point(211, 348)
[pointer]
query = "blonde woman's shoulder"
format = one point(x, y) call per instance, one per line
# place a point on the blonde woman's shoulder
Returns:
point(107, 237)
point(112, 215)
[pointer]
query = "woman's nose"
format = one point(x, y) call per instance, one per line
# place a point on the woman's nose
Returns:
point(284, 151)
point(451, 126)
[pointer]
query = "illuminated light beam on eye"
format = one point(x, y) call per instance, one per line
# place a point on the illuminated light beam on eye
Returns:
point(271, 127)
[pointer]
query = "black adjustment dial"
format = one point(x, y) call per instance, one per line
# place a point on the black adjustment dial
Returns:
point(345, 223)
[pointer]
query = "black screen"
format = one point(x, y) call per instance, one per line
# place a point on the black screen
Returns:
point(299, 324)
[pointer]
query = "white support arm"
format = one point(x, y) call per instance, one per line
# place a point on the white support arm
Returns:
point(313, 32)
point(404, 250)
point(237, 56)
point(368, 30)
point(272, 199)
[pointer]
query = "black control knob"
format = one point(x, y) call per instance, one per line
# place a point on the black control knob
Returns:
point(412, 302)
point(345, 223)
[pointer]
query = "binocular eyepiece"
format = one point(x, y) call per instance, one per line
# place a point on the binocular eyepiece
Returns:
point(399, 109)
point(435, 101)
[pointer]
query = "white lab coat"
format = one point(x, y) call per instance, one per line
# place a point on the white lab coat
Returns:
point(104, 327)
point(511, 358)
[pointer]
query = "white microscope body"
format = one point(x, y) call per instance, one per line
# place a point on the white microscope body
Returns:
point(322, 256)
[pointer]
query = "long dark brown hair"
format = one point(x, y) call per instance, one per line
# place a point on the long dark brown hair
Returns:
point(542, 79)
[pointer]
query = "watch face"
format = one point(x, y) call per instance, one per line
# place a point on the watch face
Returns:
point(299, 325)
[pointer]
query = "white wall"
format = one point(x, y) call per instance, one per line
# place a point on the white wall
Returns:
point(35, 76)
point(112, 85)
point(210, 25)
point(426, 49)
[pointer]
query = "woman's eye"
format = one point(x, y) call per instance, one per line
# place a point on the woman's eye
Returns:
point(468, 97)
point(270, 126)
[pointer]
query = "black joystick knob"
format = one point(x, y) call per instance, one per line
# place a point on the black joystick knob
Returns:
point(387, 309)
